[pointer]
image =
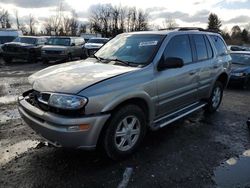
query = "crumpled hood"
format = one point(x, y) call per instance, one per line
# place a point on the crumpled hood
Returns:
point(74, 77)
point(54, 47)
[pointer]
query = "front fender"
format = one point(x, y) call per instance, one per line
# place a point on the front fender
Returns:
point(134, 95)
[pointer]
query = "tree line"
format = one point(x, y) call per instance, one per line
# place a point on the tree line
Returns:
point(236, 36)
point(109, 21)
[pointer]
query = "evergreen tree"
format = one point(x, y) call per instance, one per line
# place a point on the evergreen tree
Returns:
point(244, 36)
point(214, 23)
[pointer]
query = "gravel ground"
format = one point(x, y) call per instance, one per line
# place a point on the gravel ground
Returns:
point(192, 152)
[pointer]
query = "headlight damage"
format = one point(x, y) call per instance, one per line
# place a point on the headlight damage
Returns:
point(64, 104)
point(64, 101)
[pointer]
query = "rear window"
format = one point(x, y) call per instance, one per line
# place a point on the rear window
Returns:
point(219, 45)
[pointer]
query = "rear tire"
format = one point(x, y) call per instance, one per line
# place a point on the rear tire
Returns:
point(126, 130)
point(215, 98)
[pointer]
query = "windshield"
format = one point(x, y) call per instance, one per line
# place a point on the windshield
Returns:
point(101, 41)
point(59, 41)
point(26, 40)
point(5, 39)
point(135, 48)
point(243, 59)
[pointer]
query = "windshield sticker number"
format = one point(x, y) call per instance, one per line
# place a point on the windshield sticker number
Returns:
point(148, 43)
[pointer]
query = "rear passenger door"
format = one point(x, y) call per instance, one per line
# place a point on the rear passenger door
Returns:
point(204, 62)
point(177, 87)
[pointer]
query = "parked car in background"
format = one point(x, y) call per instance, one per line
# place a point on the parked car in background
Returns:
point(8, 35)
point(236, 48)
point(62, 49)
point(25, 48)
point(88, 36)
point(93, 45)
point(240, 74)
point(137, 81)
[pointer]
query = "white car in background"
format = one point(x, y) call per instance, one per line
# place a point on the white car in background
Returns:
point(94, 44)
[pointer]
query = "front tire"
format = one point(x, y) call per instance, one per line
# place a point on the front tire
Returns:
point(215, 98)
point(126, 129)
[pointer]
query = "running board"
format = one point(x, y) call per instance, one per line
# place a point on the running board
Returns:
point(178, 114)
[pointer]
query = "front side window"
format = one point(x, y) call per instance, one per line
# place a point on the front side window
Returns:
point(200, 46)
point(179, 47)
point(134, 48)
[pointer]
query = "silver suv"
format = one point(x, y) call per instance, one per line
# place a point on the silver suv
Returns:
point(135, 82)
point(62, 49)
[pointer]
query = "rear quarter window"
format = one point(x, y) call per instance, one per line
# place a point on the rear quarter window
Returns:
point(219, 45)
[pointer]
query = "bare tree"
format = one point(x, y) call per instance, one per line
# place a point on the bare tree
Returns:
point(17, 19)
point(170, 23)
point(4, 19)
point(111, 20)
point(32, 21)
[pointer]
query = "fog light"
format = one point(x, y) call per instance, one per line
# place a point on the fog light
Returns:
point(82, 127)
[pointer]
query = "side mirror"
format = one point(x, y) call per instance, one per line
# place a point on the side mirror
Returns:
point(73, 44)
point(170, 63)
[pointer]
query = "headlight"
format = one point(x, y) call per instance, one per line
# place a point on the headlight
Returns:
point(238, 74)
point(64, 101)
point(43, 52)
point(63, 52)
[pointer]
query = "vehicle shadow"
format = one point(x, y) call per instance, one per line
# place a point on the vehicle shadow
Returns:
point(175, 146)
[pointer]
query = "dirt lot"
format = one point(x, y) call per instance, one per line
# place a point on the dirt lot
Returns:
point(198, 151)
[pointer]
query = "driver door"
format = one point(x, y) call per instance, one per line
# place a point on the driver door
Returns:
point(177, 87)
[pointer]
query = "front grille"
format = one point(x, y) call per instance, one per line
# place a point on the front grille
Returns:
point(40, 100)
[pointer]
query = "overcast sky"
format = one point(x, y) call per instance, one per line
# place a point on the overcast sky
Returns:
point(186, 13)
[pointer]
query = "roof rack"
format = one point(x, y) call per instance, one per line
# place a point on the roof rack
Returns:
point(190, 29)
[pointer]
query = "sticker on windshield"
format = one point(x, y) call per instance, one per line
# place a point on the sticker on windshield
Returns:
point(148, 43)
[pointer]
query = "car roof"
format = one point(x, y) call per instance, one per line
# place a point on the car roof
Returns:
point(166, 32)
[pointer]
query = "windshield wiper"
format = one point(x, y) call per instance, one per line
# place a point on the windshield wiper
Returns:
point(98, 58)
point(120, 61)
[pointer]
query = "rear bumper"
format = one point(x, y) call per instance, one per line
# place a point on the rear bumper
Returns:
point(56, 128)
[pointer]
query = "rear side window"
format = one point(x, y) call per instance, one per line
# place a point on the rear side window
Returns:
point(179, 46)
point(200, 46)
point(209, 48)
point(219, 45)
